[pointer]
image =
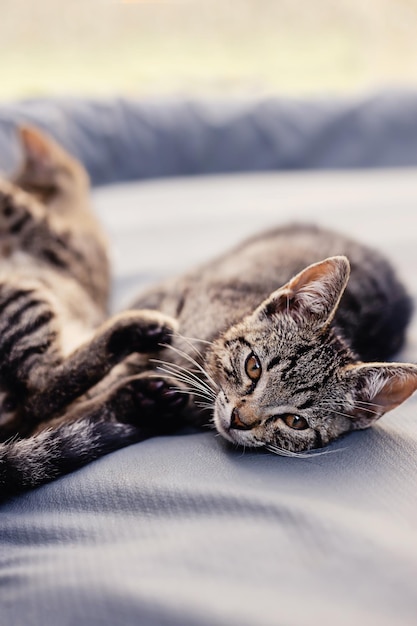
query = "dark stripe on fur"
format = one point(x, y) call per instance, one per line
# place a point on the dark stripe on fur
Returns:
point(24, 330)
point(287, 370)
point(66, 246)
point(307, 404)
point(52, 257)
point(319, 384)
point(15, 317)
point(20, 362)
point(19, 293)
point(18, 226)
point(241, 340)
point(275, 361)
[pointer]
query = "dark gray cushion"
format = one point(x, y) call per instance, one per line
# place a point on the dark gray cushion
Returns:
point(122, 139)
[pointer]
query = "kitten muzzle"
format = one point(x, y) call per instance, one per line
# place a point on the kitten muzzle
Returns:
point(237, 423)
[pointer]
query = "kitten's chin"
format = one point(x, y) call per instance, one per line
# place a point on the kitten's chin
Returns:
point(220, 417)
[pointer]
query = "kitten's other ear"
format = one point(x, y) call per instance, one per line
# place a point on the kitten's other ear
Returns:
point(44, 160)
point(378, 388)
point(41, 153)
point(313, 294)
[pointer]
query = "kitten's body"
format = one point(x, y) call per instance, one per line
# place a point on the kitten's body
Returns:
point(211, 302)
point(270, 335)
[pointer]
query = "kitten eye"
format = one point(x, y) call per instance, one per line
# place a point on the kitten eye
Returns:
point(295, 421)
point(253, 367)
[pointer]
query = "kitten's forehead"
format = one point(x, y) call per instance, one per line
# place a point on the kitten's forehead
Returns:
point(268, 337)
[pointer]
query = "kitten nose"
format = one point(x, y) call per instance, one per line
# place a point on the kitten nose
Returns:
point(236, 422)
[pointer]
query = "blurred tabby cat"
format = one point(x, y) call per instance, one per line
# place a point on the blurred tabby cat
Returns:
point(54, 342)
point(271, 338)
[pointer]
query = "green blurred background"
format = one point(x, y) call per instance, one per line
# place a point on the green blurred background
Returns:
point(219, 47)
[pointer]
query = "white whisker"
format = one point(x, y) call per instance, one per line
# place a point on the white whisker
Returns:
point(204, 405)
point(332, 408)
point(193, 361)
point(187, 391)
point(209, 343)
point(188, 341)
point(190, 384)
point(185, 372)
point(185, 375)
point(298, 455)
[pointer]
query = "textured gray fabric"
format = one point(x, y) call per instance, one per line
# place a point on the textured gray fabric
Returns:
point(125, 139)
point(184, 530)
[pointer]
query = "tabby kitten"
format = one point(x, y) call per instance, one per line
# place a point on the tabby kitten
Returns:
point(284, 368)
point(54, 343)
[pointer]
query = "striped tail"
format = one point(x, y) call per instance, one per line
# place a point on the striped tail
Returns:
point(28, 463)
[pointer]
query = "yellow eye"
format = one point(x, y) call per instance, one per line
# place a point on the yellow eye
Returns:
point(253, 367)
point(295, 421)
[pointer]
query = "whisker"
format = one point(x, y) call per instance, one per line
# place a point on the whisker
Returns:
point(209, 343)
point(204, 405)
point(190, 392)
point(298, 455)
point(193, 361)
point(282, 452)
point(364, 405)
point(185, 375)
point(188, 341)
point(331, 406)
point(187, 391)
point(185, 371)
point(190, 388)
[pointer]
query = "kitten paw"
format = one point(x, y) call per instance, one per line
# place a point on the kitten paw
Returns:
point(149, 400)
point(140, 331)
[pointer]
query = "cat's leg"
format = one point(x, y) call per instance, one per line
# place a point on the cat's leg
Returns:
point(132, 410)
point(124, 334)
point(36, 382)
point(147, 400)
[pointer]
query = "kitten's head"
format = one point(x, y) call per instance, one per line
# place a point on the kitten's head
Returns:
point(47, 170)
point(287, 381)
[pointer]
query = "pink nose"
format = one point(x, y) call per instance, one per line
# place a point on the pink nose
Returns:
point(237, 423)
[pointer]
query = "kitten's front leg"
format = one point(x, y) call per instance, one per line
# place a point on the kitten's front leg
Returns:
point(122, 335)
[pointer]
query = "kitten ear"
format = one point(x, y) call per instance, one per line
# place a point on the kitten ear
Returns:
point(41, 153)
point(378, 388)
point(313, 294)
point(45, 162)
point(47, 168)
